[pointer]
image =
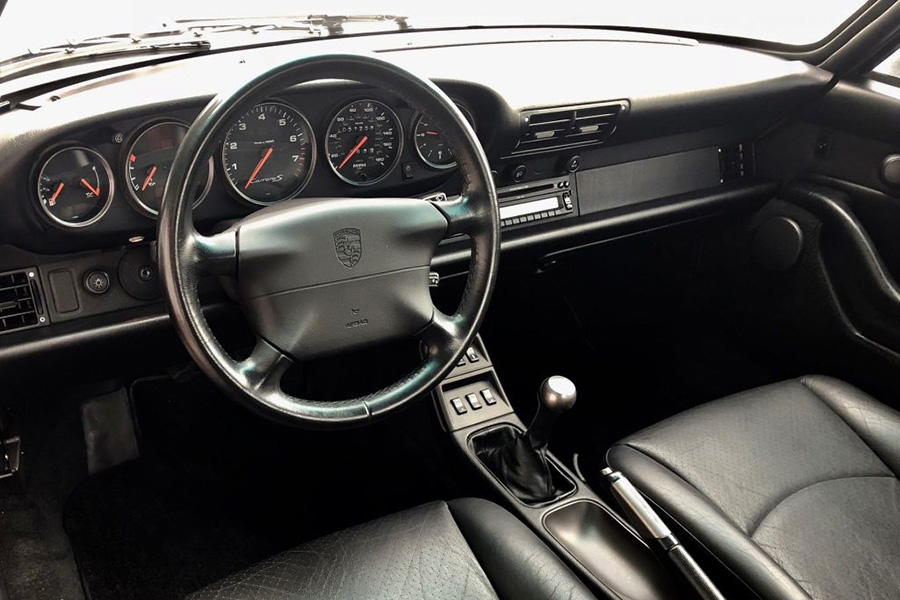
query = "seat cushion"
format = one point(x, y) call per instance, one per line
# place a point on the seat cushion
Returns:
point(792, 486)
point(466, 548)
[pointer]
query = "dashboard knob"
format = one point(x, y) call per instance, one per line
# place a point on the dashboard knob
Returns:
point(519, 173)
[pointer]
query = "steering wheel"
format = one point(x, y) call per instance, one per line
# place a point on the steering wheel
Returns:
point(317, 276)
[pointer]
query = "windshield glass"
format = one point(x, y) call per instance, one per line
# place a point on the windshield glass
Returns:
point(30, 24)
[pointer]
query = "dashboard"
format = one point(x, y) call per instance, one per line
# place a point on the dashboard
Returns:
point(590, 135)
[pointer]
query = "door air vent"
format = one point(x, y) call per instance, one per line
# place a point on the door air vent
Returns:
point(568, 127)
point(20, 301)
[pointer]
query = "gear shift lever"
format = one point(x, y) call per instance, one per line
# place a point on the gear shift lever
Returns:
point(556, 397)
point(521, 462)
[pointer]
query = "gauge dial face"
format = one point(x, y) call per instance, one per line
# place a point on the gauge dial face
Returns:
point(269, 153)
point(431, 146)
point(149, 161)
point(363, 142)
point(75, 187)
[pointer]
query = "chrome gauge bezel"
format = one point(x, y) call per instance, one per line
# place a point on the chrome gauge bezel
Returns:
point(419, 116)
point(312, 162)
point(400, 137)
point(132, 196)
point(107, 203)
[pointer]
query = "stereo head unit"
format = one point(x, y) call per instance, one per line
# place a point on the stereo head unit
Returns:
point(525, 203)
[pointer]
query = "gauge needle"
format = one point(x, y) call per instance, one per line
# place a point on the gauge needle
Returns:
point(431, 133)
point(352, 152)
point(258, 167)
point(56, 194)
point(85, 183)
point(149, 178)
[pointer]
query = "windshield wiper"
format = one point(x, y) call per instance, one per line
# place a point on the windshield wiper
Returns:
point(190, 36)
point(103, 47)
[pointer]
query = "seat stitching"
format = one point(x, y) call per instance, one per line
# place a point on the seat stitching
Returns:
point(806, 487)
point(804, 382)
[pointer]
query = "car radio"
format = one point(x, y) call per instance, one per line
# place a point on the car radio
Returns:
point(535, 201)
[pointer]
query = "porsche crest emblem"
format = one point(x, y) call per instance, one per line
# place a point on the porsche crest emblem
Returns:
point(348, 246)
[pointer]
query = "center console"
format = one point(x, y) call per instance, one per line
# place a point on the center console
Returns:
point(597, 543)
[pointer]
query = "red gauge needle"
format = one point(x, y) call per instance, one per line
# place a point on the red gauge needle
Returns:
point(149, 178)
point(85, 183)
point(352, 152)
point(259, 167)
point(431, 133)
point(56, 194)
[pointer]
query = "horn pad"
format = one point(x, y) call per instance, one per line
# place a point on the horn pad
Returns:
point(319, 276)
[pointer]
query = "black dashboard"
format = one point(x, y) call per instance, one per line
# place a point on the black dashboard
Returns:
point(589, 134)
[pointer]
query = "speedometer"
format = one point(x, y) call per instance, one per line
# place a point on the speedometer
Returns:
point(269, 153)
point(363, 142)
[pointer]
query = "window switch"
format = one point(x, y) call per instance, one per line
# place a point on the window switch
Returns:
point(488, 396)
point(458, 406)
point(472, 355)
point(473, 401)
point(462, 362)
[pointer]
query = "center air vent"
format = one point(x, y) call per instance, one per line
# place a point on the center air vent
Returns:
point(20, 301)
point(555, 128)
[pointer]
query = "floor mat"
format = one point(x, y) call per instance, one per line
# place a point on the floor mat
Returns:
point(36, 561)
point(218, 489)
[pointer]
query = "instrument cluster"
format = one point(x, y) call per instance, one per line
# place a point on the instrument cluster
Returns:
point(268, 154)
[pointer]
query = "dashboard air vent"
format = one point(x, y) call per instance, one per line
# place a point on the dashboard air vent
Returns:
point(20, 301)
point(556, 128)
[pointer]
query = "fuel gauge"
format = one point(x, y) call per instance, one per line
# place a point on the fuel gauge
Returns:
point(75, 187)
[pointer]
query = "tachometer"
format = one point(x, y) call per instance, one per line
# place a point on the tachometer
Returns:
point(75, 187)
point(363, 142)
point(149, 161)
point(269, 153)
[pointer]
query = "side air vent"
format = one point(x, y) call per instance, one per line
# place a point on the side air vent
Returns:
point(569, 127)
point(20, 301)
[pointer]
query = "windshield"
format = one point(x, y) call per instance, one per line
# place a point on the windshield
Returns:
point(30, 24)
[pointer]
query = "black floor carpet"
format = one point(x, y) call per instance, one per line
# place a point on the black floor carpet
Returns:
point(36, 561)
point(218, 489)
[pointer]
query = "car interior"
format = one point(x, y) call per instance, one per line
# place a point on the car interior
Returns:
point(544, 310)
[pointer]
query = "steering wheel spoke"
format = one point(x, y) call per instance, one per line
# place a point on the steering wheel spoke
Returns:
point(462, 213)
point(263, 369)
point(213, 254)
point(440, 334)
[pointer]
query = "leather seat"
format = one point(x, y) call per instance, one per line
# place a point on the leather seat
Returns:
point(793, 487)
point(465, 548)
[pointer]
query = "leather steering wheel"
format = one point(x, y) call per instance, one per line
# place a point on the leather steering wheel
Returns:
point(301, 294)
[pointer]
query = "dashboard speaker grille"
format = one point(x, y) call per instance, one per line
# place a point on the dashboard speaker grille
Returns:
point(20, 301)
point(568, 127)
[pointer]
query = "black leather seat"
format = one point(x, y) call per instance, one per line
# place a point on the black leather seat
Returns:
point(466, 548)
point(792, 486)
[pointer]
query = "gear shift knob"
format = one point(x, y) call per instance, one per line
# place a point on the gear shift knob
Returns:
point(557, 396)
